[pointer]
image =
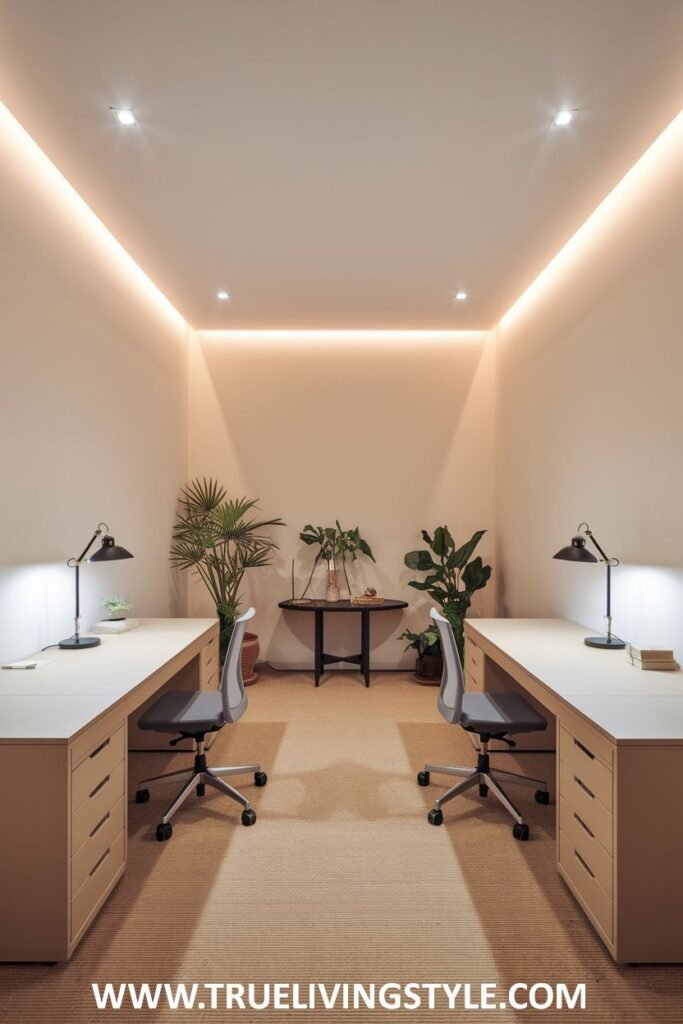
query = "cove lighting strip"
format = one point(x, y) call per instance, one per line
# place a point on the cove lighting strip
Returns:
point(666, 150)
point(19, 148)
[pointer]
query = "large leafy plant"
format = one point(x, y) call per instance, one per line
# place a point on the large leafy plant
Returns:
point(217, 538)
point(453, 576)
point(335, 543)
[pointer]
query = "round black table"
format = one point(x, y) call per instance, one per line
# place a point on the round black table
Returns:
point(319, 608)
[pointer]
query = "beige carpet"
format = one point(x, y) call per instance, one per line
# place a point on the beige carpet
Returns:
point(341, 879)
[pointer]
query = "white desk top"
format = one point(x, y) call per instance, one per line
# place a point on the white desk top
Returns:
point(57, 701)
point(626, 703)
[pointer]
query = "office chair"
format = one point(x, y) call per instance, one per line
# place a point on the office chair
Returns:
point(491, 716)
point(193, 715)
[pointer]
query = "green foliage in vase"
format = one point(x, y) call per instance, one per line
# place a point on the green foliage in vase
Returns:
point(335, 543)
point(218, 539)
point(116, 606)
point(453, 576)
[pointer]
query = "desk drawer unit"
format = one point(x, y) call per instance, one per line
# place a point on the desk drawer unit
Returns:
point(474, 666)
point(98, 824)
point(585, 819)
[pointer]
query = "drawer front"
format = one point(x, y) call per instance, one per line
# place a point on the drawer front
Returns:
point(212, 683)
point(91, 811)
point(100, 840)
point(472, 684)
point(594, 741)
point(99, 879)
point(584, 841)
point(577, 872)
point(593, 775)
point(474, 662)
point(93, 773)
point(94, 734)
point(593, 814)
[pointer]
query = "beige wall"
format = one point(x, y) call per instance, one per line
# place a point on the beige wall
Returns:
point(590, 364)
point(392, 433)
point(93, 412)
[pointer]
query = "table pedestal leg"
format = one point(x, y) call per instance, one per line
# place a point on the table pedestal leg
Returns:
point(365, 645)
point(318, 645)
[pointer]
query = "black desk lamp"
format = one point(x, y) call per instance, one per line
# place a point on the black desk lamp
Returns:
point(576, 552)
point(109, 551)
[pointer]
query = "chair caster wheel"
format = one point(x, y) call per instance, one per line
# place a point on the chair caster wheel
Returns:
point(520, 832)
point(423, 778)
point(260, 778)
point(248, 817)
point(435, 816)
point(542, 796)
point(483, 790)
point(164, 831)
point(142, 796)
point(201, 789)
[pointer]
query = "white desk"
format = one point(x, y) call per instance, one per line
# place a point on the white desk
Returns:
point(65, 730)
point(619, 735)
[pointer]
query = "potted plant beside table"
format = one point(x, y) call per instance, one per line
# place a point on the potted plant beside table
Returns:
point(216, 538)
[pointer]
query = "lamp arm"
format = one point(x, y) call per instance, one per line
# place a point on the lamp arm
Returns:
point(585, 528)
point(101, 528)
point(609, 564)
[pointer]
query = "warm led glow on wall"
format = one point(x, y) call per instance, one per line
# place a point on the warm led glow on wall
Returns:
point(666, 150)
point(359, 335)
point(18, 147)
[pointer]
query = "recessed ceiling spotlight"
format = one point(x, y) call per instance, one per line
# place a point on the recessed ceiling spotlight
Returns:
point(563, 117)
point(460, 296)
point(222, 295)
point(123, 115)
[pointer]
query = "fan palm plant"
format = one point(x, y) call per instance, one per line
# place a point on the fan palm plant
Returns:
point(217, 538)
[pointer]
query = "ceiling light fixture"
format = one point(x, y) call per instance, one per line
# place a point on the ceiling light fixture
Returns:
point(460, 296)
point(222, 295)
point(123, 115)
point(563, 118)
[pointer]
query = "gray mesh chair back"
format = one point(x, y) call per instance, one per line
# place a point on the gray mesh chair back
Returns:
point(232, 686)
point(452, 681)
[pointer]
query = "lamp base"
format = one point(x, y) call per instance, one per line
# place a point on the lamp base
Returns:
point(76, 643)
point(609, 643)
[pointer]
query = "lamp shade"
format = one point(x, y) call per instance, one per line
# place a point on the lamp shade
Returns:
point(109, 551)
point(576, 551)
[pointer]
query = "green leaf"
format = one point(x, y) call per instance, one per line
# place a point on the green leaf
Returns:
point(463, 554)
point(426, 538)
point(475, 575)
point(365, 548)
point(422, 561)
point(439, 545)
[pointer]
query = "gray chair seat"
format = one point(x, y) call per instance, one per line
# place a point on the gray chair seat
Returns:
point(499, 712)
point(182, 711)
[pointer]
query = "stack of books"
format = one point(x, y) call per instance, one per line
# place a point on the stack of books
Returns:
point(659, 659)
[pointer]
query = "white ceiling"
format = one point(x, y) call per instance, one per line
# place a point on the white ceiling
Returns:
point(342, 163)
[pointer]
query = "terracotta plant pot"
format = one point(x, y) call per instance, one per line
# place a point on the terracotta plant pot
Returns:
point(429, 669)
point(250, 652)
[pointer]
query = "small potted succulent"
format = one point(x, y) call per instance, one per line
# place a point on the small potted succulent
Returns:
point(427, 645)
point(116, 607)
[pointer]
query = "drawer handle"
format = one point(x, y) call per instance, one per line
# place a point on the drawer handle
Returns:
point(98, 750)
point(584, 826)
point(99, 824)
point(583, 863)
point(100, 861)
point(584, 787)
point(99, 786)
point(584, 750)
